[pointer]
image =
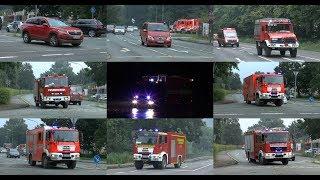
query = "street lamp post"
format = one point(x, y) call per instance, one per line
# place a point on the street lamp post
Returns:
point(295, 83)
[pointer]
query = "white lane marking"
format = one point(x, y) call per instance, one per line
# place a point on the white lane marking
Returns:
point(178, 50)
point(271, 113)
point(218, 48)
point(228, 114)
point(239, 60)
point(69, 54)
point(309, 113)
point(202, 167)
point(250, 53)
point(48, 55)
point(6, 41)
point(28, 51)
point(108, 40)
point(96, 48)
point(293, 60)
point(8, 57)
point(50, 50)
point(196, 49)
point(120, 172)
point(103, 52)
point(265, 58)
point(133, 171)
point(124, 50)
point(309, 57)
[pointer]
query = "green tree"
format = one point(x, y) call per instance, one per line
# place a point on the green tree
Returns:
point(268, 123)
point(26, 77)
point(15, 131)
point(311, 127)
point(98, 72)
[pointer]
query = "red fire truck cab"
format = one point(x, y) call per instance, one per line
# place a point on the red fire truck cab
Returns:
point(159, 149)
point(263, 88)
point(268, 145)
point(275, 34)
point(52, 89)
point(186, 25)
point(76, 94)
point(53, 145)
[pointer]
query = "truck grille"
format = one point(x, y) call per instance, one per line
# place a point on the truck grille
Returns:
point(284, 40)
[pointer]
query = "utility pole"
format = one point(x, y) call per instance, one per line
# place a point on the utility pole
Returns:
point(295, 83)
point(210, 18)
point(162, 15)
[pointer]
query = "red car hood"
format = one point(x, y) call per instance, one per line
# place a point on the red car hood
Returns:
point(159, 33)
point(285, 34)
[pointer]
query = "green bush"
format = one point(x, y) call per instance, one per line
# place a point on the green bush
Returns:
point(218, 94)
point(4, 96)
point(119, 158)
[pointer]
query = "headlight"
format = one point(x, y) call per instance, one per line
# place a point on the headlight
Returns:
point(168, 38)
point(150, 37)
point(274, 39)
point(150, 102)
point(148, 97)
point(134, 101)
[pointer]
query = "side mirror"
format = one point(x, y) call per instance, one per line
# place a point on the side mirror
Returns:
point(45, 24)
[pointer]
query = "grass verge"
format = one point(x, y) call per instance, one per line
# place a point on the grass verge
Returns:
point(222, 147)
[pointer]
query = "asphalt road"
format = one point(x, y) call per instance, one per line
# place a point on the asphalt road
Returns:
point(301, 166)
point(128, 48)
point(293, 109)
point(20, 166)
point(202, 167)
point(13, 48)
point(87, 109)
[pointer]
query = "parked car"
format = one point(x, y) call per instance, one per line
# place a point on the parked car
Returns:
point(15, 26)
point(103, 97)
point(110, 28)
point(3, 150)
point(153, 34)
point(130, 29)
point(119, 30)
point(91, 27)
point(135, 28)
point(52, 31)
point(13, 153)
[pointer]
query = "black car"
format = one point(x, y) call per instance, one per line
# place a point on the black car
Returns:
point(91, 27)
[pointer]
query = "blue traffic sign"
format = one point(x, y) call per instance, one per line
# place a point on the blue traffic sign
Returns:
point(93, 9)
point(96, 158)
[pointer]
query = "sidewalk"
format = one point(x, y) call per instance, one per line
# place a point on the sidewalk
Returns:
point(114, 166)
point(16, 102)
point(224, 159)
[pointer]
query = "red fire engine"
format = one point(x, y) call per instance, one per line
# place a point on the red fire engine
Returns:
point(76, 94)
point(52, 89)
point(275, 34)
point(268, 145)
point(186, 25)
point(227, 36)
point(53, 145)
point(263, 88)
point(159, 149)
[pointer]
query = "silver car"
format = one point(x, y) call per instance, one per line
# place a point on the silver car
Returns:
point(15, 26)
point(119, 30)
point(13, 153)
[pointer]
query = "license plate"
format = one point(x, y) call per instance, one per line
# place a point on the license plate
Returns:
point(160, 41)
point(66, 155)
point(76, 37)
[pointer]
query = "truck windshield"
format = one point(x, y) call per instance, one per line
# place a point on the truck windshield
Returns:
point(278, 27)
point(273, 79)
point(66, 136)
point(56, 23)
point(276, 137)
point(146, 138)
point(56, 81)
point(158, 27)
point(230, 34)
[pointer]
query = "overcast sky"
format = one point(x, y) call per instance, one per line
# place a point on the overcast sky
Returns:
point(247, 122)
point(248, 68)
point(41, 67)
point(31, 122)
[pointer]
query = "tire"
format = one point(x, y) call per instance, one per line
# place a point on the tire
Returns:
point(258, 101)
point(65, 105)
point(248, 102)
point(72, 164)
point(267, 51)
point(142, 43)
point(179, 163)
point(76, 44)
point(53, 41)
point(219, 45)
point(238, 45)
point(18, 30)
point(259, 49)
point(169, 46)
point(278, 102)
point(45, 162)
point(92, 33)
point(138, 164)
point(285, 161)
point(155, 165)
point(293, 53)
point(43, 105)
point(232, 45)
point(261, 160)
point(282, 53)
point(37, 104)
point(8, 30)
point(26, 37)
point(293, 159)
point(146, 43)
point(163, 163)
point(79, 103)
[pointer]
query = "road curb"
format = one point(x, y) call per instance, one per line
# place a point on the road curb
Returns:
point(25, 101)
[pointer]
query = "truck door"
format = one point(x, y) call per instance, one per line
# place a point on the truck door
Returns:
point(39, 146)
point(173, 153)
point(164, 147)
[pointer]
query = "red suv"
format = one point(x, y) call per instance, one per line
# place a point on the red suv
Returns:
point(52, 31)
point(153, 34)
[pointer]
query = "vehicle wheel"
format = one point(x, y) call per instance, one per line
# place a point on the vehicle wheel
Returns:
point(92, 33)
point(219, 45)
point(283, 53)
point(179, 163)
point(53, 164)
point(56, 105)
point(293, 53)
point(248, 102)
point(169, 46)
point(278, 102)
point(267, 51)
point(44, 162)
point(26, 37)
point(142, 43)
point(258, 101)
point(138, 164)
point(293, 159)
point(8, 30)
point(259, 49)
point(18, 156)
point(155, 165)
point(18, 30)
point(163, 163)
point(238, 45)
point(261, 160)
point(146, 43)
point(54, 40)
point(71, 164)
point(79, 103)
point(76, 44)
point(232, 45)
point(37, 104)
point(65, 105)
point(43, 105)
point(285, 161)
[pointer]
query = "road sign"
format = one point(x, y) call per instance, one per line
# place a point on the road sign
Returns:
point(311, 99)
point(93, 10)
point(133, 21)
point(96, 159)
